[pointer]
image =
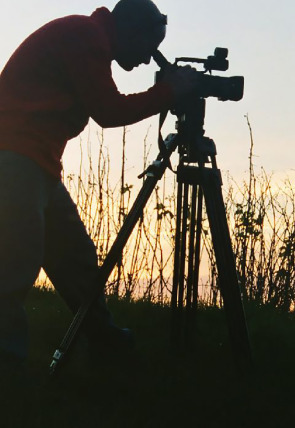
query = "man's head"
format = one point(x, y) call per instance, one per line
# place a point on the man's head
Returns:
point(140, 29)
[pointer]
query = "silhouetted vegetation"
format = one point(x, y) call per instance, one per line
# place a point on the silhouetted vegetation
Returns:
point(261, 217)
point(154, 386)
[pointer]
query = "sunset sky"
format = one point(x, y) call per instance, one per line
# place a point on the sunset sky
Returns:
point(260, 37)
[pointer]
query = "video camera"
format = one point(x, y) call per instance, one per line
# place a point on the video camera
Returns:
point(223, 88)
point(193, 145)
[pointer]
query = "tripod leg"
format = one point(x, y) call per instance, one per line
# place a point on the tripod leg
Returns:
point(189, 321)
point(197, 249)
point(179, 264)
point(228, 281)
point(176, 250)
point(191, 258)
point(183, 246)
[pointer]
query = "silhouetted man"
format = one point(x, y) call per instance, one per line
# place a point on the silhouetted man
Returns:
point(57, 79)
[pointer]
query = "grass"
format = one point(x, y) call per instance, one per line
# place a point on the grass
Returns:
point(154, 387)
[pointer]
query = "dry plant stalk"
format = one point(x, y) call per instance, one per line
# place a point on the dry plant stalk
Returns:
point(261, 217)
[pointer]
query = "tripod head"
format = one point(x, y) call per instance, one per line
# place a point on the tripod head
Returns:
point(194, 147)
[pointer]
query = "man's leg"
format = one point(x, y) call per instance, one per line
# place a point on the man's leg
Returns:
point(24, 191)
point(71, 264)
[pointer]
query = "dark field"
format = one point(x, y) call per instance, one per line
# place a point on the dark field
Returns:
point(154, 387)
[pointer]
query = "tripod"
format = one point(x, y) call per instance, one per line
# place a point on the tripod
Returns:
point(196, 185)
point(193, 148)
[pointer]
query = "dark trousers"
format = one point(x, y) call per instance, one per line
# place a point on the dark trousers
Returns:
point(39, 227)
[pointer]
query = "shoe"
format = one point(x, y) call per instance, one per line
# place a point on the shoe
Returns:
point(116, 338)
point(15, 376)
point(111, 345)
point(101, 330)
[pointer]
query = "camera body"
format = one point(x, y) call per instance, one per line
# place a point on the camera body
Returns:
point(223, 88)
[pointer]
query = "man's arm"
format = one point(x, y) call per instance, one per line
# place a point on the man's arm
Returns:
point(89, 73)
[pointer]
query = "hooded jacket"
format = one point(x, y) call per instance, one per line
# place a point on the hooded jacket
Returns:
point(57, 79)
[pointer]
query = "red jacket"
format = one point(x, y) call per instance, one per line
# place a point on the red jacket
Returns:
point(58, 78)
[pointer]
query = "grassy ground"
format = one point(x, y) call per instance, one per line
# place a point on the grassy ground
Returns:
point(154, 387)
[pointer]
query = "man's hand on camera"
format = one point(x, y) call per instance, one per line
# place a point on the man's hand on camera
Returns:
point(183, 81)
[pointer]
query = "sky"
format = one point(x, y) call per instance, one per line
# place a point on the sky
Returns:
point(260, 37)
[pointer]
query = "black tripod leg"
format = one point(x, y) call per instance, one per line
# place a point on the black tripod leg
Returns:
point(175, 321)
point(228, 282)
point(189, 316)
point(197, 250)
point(191, 249)
point(183, 246)
point(178, 288)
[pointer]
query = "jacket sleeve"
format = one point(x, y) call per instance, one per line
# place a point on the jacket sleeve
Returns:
point(89, 71)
